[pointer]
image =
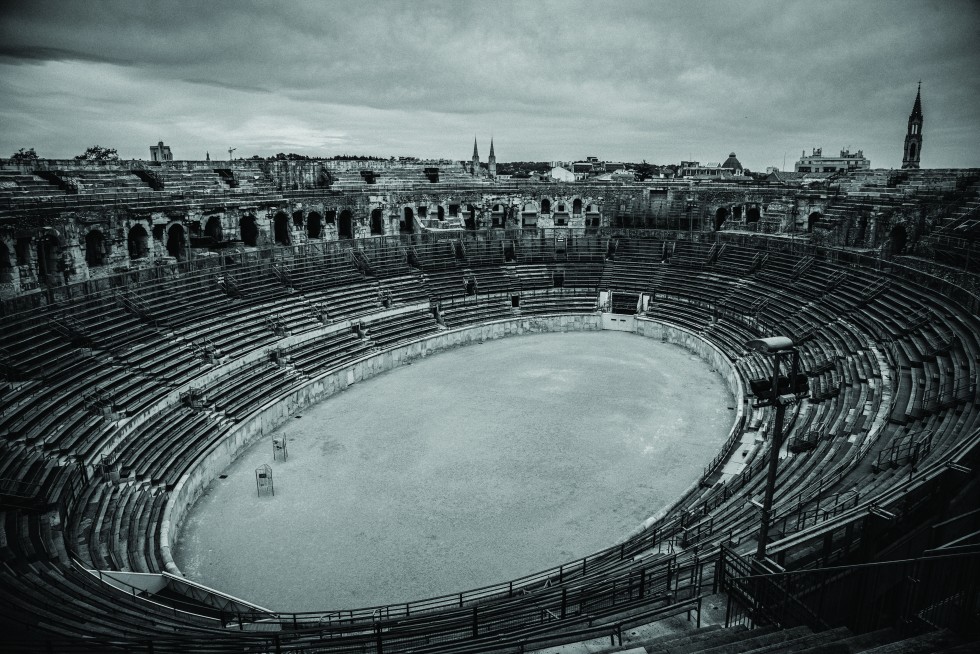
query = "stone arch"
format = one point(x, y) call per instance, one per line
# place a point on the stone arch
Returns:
point(248, 227)
point(345, 224)
point(177, 242)
point(214, 230)
point(96, 248)
point(408, 221)
point(298, 219)
point(49, 258)
point(577, 206)
point(812, 220)
point(280, 228)
point(138, 241)
point(314, 225)
point(721, 215)
point(440, 212)
point(6, 268)
point(753, 215)
point(899, 238)
point(377, 222)
point(545, 205)
point(22, 250)
point(330, 217)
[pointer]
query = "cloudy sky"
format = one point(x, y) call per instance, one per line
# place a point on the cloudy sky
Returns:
point(550, 80)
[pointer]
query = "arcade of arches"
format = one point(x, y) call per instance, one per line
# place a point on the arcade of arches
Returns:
point(73, 251)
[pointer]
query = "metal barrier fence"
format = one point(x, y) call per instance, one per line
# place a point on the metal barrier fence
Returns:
point(911, 595)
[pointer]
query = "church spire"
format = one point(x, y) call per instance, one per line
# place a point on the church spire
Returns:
point(913, 138)
point(492, 161)
point(475, 169)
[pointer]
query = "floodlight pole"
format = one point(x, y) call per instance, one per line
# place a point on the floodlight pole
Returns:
point(776, 442)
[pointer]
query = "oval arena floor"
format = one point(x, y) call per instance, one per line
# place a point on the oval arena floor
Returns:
point(470, 467)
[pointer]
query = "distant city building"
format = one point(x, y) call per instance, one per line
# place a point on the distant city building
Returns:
point(492, 161)
point(733, 164)
point(913, 138)
point(728, 170)
point(562, 174)
point(475, 163)
point(817, 163)
point(160, 152)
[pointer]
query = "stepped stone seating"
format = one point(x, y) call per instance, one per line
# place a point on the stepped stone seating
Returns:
point(867, 365)
point(458, 312)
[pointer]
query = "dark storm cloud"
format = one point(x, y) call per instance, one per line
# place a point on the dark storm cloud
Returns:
point(624, 80)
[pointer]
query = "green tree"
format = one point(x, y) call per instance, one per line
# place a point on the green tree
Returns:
point(98, 153)
point(24, 156)
point(645, 171)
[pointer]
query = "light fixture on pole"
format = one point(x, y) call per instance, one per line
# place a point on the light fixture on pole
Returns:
point(778, 391)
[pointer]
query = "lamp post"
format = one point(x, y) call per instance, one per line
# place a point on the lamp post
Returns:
point(778, 391)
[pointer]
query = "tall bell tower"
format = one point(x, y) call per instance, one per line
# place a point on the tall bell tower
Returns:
point(913, 139)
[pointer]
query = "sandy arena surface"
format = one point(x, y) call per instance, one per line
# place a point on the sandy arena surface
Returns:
point(467, 468)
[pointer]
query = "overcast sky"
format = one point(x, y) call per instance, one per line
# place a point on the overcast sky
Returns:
point(550, 80)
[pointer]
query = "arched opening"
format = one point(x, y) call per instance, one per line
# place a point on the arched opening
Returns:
point(22, 250)
point(576, 207)
point(138, 242)
point(899, 238)
point(6, 269)
point(177, 242)
point(912, 150)
point(213, 230)
point(345, 228)
point(721, 215)
point(546, 206)
point(423, 212)
point(298, 219)
point(407, 225)
point(331, 217)
point(377, 223)
point(753, 215)
point(314, 225)
point(95, 248)
point(469, 221)
point(812, 220)
point(441, 213)
point(48, 257)
point(280, 228)
point(248, 226)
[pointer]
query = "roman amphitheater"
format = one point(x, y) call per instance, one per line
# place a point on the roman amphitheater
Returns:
point(164, 322)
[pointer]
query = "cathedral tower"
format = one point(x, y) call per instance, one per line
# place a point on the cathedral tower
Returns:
point(492, 161)
point(475, 169)
point(913, 139)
